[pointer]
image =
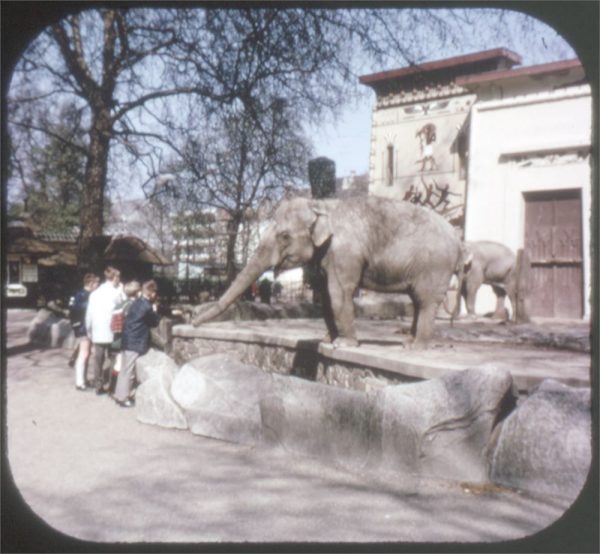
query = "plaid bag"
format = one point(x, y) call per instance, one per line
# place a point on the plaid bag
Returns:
point(117, 321)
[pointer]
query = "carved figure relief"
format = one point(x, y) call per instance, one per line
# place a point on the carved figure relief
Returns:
point(427, 136)
point(436, 197)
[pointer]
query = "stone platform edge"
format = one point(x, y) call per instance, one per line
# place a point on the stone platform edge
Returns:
point(359, 356)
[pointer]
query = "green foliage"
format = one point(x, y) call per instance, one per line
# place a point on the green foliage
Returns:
point(54, 178)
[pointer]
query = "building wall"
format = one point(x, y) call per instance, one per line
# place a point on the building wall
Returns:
point(535, 142)
point(408, 162)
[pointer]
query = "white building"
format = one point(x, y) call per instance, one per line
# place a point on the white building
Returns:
point(503, 153)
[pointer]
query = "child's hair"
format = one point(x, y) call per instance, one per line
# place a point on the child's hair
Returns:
point(150, 287)
point(132, 288)
point(89, 278)
point(110, 273)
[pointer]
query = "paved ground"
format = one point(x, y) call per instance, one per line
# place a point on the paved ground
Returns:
point(92, 471)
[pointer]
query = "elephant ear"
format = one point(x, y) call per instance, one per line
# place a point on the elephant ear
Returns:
point(321, 228)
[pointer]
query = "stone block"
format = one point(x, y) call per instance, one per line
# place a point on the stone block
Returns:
point(338, 425)
point(61, 334)
point(544, 446)
point(154, 404)
point(441, 427)
point(38, 331)
point(438, 428)
point(220, 397)
point(153, 364)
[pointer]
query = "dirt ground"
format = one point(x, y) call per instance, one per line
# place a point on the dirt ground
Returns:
point(93, 476)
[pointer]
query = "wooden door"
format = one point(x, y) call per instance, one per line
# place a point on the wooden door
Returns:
point(553, 241)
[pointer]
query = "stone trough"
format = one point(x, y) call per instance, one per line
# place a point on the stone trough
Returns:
point(461, 426)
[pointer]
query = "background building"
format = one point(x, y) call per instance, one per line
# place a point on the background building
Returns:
point(501, 152)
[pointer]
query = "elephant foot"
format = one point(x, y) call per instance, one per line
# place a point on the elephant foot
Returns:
point(413, 343)
point(344, 342)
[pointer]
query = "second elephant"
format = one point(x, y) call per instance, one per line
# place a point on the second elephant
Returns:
point(494, 264)
point(376, 243)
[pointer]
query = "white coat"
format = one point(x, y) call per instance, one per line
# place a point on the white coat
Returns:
point(101, 305)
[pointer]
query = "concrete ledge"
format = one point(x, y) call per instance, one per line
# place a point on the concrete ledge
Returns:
point(382, 354)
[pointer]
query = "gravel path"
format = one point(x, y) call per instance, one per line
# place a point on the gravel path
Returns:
point(90, 470)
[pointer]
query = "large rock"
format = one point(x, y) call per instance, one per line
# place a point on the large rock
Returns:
point(439, 427)
point(154, 404)
point(335, 424)
point(153, 364)
point(220, 398)
point(61, 334)
point(544, 446)
point(39, 329)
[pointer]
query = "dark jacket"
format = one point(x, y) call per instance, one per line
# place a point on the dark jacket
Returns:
point(136, 331)
point(77, 307)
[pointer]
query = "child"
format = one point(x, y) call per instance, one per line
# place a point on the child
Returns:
point(77, 308)
point(132, 291)
point(135, 340)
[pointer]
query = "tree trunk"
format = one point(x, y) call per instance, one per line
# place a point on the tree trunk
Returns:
point(233, 225)
point(92, 204)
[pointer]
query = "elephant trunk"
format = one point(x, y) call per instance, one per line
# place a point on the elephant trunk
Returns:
point(263, 259)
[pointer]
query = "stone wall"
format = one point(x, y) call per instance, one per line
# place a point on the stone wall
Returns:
point(304, 362)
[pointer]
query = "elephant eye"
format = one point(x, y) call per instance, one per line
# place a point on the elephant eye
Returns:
point(284, 237)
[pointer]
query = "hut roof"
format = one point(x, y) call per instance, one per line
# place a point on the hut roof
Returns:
point(128, 248)
point(29, 245)
point(60, 258)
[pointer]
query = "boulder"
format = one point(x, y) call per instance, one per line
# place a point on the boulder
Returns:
point(61, 334)
point(220, 397)
point(441, 427)
point(336, 424)
point(154, 404)
point(38, 332)
point(438, 428)
point(544, 446)
point(155, 363)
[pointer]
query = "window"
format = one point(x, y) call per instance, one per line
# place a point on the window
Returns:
point(14, 272)
point(390, 165)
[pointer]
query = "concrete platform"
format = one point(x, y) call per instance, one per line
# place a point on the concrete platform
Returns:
point(533, 352)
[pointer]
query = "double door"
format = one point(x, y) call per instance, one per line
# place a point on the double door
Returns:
point(554, 243)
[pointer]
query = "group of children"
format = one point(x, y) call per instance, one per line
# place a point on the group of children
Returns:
point(112, 322)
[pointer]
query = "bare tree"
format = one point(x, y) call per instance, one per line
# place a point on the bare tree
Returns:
point(128, 70)
point(240, 161)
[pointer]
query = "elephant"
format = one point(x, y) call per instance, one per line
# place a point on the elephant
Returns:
point(376, 243)
point(494, 264)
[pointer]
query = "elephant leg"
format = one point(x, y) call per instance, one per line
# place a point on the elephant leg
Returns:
point(511, 290)
point(472, 283)
point(425, 323)
point(332, 332)
point(501, 312)
point(342, 307)
point(416, 309)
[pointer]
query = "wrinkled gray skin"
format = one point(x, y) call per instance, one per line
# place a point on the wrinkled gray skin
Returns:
point(375, 243)
point(494, 264)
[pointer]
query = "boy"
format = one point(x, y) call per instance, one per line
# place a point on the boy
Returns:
point(135, 340)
